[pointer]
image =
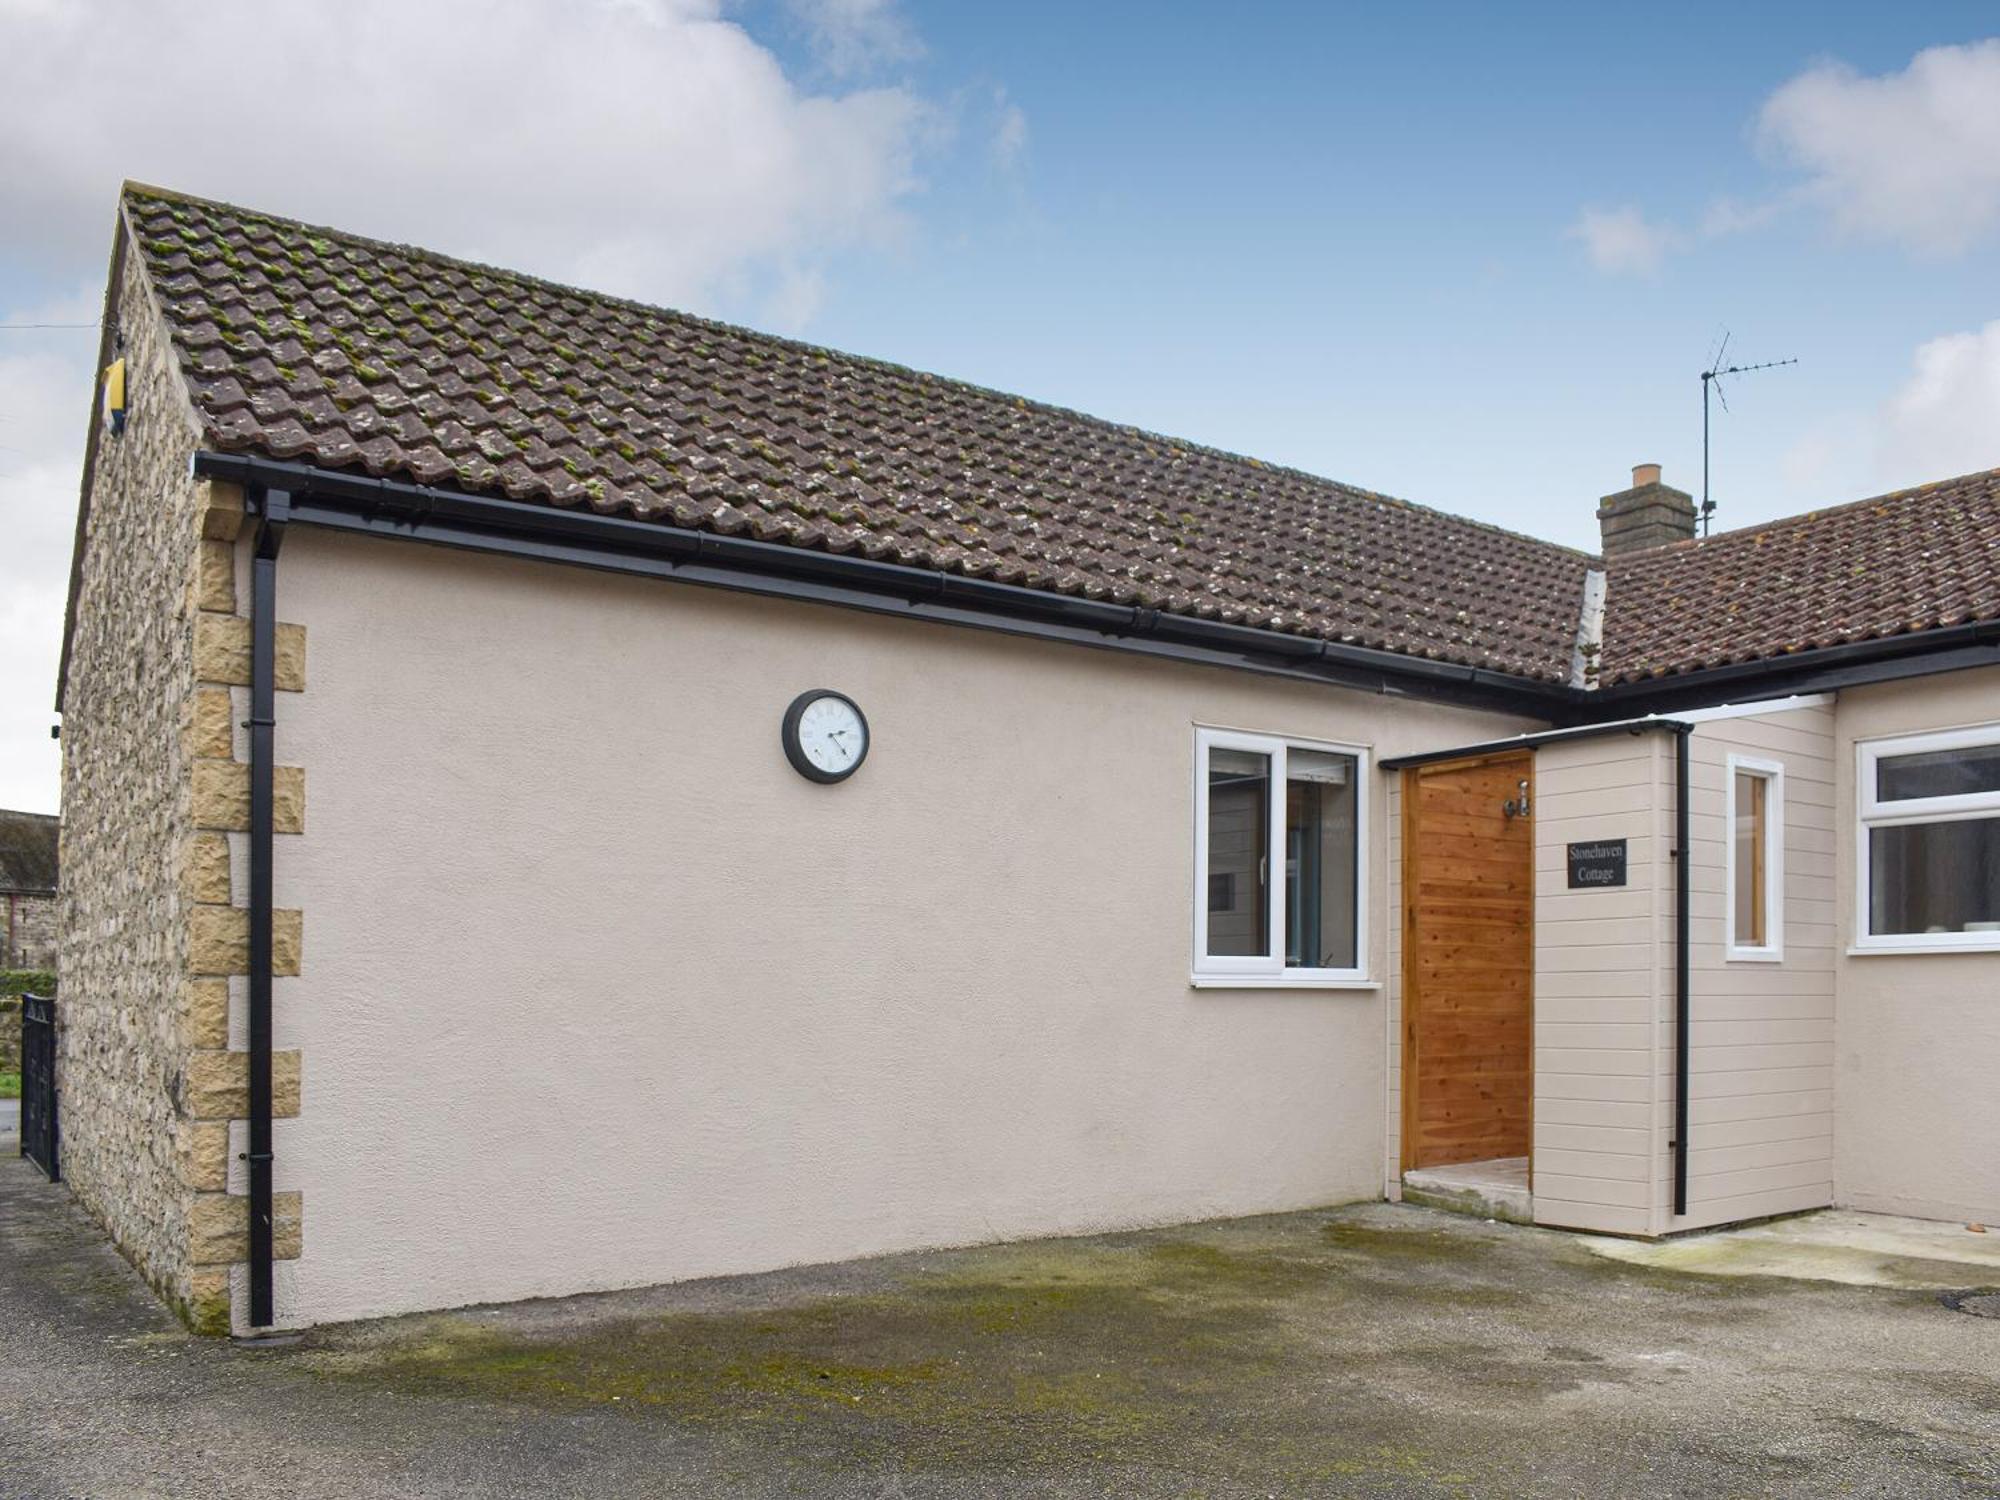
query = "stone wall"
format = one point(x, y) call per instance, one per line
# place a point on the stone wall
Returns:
point(148, 933)
point(29, 941)
point(127, 795)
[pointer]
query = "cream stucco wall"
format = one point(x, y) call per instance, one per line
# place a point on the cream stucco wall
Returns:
point(598, 992)
point(1917, 1040)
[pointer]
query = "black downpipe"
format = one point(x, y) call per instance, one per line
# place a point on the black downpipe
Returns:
point(1683, 733)
point(274, 507)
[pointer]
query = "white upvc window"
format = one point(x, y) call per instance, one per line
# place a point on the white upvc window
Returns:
point(1754, 860)
point(1280, 861)
point(1927, 855)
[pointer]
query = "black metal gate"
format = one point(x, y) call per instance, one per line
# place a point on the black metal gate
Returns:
point(38, 1083)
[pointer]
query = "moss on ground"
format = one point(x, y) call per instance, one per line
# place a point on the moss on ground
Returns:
point(1053, 1354)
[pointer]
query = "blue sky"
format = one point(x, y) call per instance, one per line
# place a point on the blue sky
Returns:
point(1338, 237)
point(1471, 255)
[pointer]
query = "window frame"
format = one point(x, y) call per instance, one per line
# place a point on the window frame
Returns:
point(1872, 812)
point(1230, 971)
point(1772, 949)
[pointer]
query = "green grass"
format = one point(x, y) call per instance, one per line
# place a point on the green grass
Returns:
point(10, 1085)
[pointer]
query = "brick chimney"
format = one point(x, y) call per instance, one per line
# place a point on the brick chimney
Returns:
point(1650, 514)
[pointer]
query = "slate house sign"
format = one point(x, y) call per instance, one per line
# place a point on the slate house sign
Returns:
point(1601, 863)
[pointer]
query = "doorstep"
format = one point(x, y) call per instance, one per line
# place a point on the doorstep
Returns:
point(1496, 1189)
point(1830, 1244)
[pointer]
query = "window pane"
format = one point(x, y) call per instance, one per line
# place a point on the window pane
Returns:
point(1239, 864)
point(1935, 877)
point(1751, 879)
point(1938, 773)
point(1320, 852)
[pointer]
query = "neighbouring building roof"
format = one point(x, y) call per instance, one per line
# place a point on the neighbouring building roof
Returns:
point(314, 345)
point(28, 852)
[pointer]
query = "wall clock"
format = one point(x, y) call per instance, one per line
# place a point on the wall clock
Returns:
point(825, 735)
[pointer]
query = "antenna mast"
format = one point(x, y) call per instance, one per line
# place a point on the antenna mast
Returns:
point(1711, 379)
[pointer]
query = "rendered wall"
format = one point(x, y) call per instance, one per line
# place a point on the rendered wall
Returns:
point(1917, 1076)
point(599, 992)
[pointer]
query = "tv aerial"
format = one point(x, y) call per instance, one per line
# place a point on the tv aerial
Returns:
point(1711, 380)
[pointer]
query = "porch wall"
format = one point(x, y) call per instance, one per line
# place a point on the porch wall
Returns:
point(1760, 1059)
point(1598, 994)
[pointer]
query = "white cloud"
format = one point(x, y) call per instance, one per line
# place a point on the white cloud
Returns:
point(1623, 241)
point(646, 146)
point(45, 396)
point(1910, 157)
point(1010, 132)
point(1943, 419)
point(850, 37)
point(1946, 418)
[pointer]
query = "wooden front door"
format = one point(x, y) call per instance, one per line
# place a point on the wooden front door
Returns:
point(1468, 961)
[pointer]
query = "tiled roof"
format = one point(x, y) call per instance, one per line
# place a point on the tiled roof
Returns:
point(28, 851)
point(314, 345)
point(311, 344)
point(1914, 560)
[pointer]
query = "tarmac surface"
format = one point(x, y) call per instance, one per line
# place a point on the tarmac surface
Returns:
point(1370, 1350)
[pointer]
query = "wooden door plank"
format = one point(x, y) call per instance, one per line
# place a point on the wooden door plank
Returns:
point(1468, 963)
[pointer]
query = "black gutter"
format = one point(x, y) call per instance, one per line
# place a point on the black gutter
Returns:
point(1527, 742)
point(451, 518)
point(1818, 670)
point(1683, 733)
point(273, 509)
point(381, 507)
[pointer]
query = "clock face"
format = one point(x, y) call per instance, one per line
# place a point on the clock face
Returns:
point(825, 735)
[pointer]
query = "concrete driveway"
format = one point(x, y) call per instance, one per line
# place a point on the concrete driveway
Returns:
point(1362, 1351)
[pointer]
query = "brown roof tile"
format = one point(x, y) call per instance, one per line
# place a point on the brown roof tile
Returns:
point(309, 344)
point(1915, 560)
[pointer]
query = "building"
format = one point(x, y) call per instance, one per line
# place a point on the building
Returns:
point(27, 890)
point(563, 795)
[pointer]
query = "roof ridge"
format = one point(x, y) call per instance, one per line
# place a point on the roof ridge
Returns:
point(1818, 513)
point(132, 188)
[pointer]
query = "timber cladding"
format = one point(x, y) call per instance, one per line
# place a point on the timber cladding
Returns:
point(1468, 961)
